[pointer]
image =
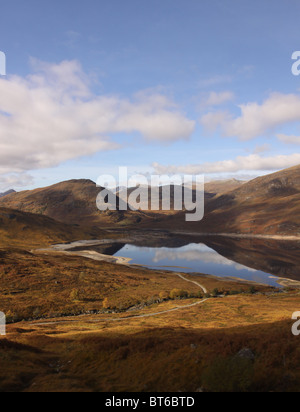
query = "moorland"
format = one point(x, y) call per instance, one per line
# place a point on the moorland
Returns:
point(76, 323)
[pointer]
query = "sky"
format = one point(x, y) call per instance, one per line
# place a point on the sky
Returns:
point(159, 86)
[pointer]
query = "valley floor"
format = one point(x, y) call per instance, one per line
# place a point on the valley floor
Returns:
point(195, 348)
point(98, 326)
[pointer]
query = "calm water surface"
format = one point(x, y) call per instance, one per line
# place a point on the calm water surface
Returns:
point(193, 258)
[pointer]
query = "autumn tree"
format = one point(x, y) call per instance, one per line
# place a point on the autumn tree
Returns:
point(106, 304)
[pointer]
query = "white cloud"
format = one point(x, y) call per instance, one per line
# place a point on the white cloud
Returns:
point(211, 121)
point(262, 149)
point(216, 99)
point(289, 139)
point(14, 181)
point(252, 162)
point(153, 117)
point(52, 116)
point(257, 120)
point(196, 253)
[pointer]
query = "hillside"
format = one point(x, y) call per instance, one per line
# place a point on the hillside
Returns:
point(9, 192)
point(268, 205)
point(20, 229)
point(218, 187)
point(72, 202)
point(132, 336)
point(211, 190)
point(155, 196)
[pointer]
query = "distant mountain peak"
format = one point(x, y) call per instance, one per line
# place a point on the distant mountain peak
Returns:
point(9, 192)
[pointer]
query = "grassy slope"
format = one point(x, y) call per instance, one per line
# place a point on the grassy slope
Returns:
point(180, 351)
point(26, 230)
point(60, 202)
point(95, 353)
point(269, 205)
point(35, 286)
point(219, 187)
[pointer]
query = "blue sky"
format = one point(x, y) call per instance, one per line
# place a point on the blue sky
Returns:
point(200, 86)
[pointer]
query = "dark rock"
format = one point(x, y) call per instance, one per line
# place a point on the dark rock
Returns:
point(246, 353)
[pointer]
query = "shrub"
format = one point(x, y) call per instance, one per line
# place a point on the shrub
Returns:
point(183, 294)
point(178, 294)
point(74, 295)
point(164, 295)
point(10, 317)
point(36, 313)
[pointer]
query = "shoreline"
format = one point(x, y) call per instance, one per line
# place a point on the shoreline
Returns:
point(239, 236)
point(89, 254)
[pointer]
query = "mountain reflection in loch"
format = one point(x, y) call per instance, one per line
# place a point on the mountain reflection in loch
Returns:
point(258, 260)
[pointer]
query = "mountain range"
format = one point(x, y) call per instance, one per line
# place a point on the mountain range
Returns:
point(268, 205)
